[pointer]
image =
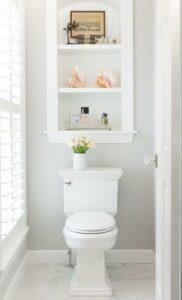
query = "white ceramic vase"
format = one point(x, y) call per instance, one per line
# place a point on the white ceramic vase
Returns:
point(79, 161)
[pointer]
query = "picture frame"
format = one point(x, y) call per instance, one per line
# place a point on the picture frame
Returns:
point(90, 23)
point(75, 120)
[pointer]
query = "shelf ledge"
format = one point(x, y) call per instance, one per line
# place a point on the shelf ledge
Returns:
point(90, 90)
point(87, 47)
point(100, 137)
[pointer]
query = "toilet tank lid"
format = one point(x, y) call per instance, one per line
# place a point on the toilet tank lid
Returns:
point(92, 173)
point(90, 221)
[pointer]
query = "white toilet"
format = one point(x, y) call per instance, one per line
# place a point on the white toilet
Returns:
point(90, 204)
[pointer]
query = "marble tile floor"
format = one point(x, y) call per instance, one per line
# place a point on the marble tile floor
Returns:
point(51, 282)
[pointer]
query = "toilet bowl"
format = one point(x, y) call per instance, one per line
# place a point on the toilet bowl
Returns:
point(90, 234)
point(90, 205)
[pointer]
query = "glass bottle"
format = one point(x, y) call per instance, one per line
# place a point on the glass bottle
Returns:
point(85, 117)
point(104, 120)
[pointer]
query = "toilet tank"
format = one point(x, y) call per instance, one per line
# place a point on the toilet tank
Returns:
point(92, 189)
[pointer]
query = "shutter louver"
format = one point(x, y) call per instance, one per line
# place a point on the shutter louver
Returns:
point(12, 168)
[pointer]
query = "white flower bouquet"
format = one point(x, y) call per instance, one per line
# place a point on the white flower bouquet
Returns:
point(81, 144)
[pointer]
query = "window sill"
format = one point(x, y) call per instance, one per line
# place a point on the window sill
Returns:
point(10, 251)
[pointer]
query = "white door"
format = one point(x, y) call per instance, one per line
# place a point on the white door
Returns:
point(166, 35)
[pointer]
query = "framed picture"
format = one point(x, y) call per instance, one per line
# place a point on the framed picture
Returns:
point(90, 23)
point(75, 120)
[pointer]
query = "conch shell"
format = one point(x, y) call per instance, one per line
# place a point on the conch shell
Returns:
point(105, 80)
point(77, 79)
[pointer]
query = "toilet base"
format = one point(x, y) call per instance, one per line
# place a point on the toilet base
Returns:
point(90, 275)
point(90, 291)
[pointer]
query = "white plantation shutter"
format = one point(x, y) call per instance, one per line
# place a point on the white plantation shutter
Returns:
point(12, 132)
point(12, 174)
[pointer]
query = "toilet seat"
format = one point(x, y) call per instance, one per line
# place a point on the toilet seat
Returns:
point(90, 222)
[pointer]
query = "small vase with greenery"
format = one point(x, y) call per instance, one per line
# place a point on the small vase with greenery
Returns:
point(80, 145)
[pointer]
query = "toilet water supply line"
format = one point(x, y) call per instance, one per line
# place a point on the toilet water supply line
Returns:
point(70, 255)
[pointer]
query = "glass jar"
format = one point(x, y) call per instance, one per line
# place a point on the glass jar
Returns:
point(104, 120)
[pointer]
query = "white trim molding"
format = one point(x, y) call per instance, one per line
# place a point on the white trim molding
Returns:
point(112, 256)
point(12, 249)
point(16, 280)
point(139, 256)
point(112, 137)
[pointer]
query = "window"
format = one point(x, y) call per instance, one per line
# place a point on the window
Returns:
point(12, 128)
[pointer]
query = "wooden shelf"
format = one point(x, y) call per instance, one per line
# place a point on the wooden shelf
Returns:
point(90, 90)
point(91, 47)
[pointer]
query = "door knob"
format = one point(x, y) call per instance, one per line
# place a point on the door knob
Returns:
point(67, 182)
point(151, 160)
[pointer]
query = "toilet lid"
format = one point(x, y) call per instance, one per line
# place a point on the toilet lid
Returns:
point(90, 222)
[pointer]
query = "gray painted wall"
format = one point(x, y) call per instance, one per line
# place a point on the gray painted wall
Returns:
point(135, 217)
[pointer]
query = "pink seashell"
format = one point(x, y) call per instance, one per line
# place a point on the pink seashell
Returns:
point(77, 79)
point(106, 79)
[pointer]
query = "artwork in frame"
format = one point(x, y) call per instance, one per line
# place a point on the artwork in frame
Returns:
point(75, 120)
point(91, 23)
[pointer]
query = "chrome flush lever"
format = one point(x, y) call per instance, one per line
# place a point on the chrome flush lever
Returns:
point(151, 160)
point(67, 182)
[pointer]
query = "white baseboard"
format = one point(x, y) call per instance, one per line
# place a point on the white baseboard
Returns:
point(113, 256)
point(144, 256)
point(10, 294)
point(47, 256)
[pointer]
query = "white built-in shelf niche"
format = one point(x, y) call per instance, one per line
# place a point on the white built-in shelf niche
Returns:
point(117, 101)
